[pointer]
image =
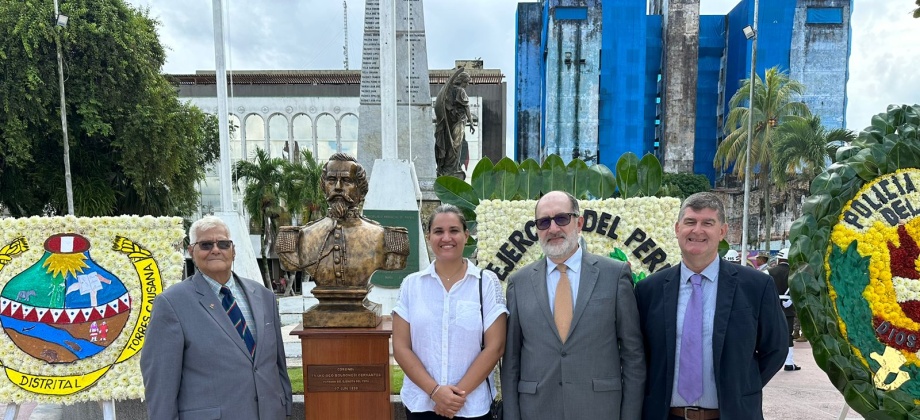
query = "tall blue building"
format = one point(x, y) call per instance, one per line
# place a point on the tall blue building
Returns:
point(596, 79)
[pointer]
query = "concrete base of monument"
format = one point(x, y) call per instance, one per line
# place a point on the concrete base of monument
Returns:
point(393, 200)
point(137, 410)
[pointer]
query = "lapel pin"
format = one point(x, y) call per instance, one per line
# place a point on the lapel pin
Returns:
point(212, 306)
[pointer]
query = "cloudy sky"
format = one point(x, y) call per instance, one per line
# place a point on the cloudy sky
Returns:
point(310, 34)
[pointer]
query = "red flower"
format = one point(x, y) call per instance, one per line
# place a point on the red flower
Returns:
point(902, 259)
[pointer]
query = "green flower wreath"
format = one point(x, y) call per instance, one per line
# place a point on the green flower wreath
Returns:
point(891, 143)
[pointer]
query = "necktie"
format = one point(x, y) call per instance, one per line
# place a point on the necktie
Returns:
point(236, 317)
point(690, 377)
point(562, 307)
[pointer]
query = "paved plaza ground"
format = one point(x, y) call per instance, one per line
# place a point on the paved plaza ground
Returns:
point(803, 395)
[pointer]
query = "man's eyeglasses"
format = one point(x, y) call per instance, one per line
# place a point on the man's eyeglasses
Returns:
point(209, 245)
point(561, 219)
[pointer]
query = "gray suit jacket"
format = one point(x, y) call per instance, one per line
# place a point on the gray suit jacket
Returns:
point(599, 373)
point(196, 366)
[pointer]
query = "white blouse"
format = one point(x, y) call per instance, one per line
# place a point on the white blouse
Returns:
point(446, 331)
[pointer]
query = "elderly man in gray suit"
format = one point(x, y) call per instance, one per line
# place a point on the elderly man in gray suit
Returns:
point(213, 347)
point(574, 350)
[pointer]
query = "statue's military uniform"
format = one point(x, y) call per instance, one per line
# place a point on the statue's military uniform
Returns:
point(341, 255)
point(346, 252)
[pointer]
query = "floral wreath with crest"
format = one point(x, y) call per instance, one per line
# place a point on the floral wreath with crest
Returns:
point(856, 267)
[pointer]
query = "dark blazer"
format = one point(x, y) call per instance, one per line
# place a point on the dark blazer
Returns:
point(780, 275)
point(196, 366)
point(599, 372)
point(748, 340)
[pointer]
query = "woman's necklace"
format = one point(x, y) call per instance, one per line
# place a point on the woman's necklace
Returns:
point(458, 272)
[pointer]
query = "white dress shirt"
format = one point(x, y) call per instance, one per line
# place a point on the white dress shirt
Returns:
point(446, 331)
point(553, 275)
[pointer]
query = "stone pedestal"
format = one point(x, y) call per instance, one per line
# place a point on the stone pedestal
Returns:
point(341, 307)
point(347, 372)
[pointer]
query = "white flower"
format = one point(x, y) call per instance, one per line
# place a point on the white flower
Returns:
point(123, 380)
point(654, 216)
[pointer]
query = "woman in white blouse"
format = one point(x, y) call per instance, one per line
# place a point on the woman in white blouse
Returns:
point(438, 327)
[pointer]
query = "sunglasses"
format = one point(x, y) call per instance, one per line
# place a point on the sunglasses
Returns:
point(209, 245)
point(561, 219)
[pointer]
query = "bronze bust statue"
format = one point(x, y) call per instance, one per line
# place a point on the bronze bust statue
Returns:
point(342, 250)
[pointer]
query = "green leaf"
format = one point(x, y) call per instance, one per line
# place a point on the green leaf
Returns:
point(505, 175)
point(603, 184)
point(628, 175)
point(555, 175)
point(817, 205)
point(828, 182)
point(553, 161)
point(803, 226)
point(451, 190)
point(469, 249)
point(856, 395)
point(530, 181)
point(481, 180)
point(846, 152)
point(650, 175)
point(579, 173)
point(904, 155)
point(619, 255)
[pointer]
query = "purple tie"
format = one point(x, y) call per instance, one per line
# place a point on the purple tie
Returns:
point(690, 377)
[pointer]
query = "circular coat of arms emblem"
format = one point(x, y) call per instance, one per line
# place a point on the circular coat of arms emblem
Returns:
point(856, 268)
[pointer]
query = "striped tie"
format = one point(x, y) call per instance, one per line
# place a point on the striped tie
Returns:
point(236, 317)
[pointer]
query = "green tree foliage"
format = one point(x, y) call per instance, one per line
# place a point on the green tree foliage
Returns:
point(683, 185)
point(134, 148)
point(803, 147)
point(917, 11)
point(273, 189)
point(301, 189)
point(776, 100)
point(262, 177)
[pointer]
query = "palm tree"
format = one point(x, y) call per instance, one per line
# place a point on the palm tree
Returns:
point(776, 99)
point(803, 147)
point(261, 199)
point(301, 190)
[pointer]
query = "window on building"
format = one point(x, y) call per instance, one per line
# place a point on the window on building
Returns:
point(303, 135)
point(326, 137)
point(824, 15)
point(349, 141)
point(236, 140)
point(571, 13)
point(278, 136)
point(255, 135)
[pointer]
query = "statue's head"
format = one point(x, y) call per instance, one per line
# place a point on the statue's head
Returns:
point(462, 78)
point(344, 183)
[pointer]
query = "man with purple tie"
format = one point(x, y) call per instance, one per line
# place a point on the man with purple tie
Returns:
point(714, 332)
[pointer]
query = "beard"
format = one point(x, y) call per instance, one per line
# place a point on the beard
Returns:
point(339, 206)
point(556, 251)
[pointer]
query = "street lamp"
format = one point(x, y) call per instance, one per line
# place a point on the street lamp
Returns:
point(61, 21)
point(750, 32)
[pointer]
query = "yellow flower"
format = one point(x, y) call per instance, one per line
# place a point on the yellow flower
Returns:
point(123, 380)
